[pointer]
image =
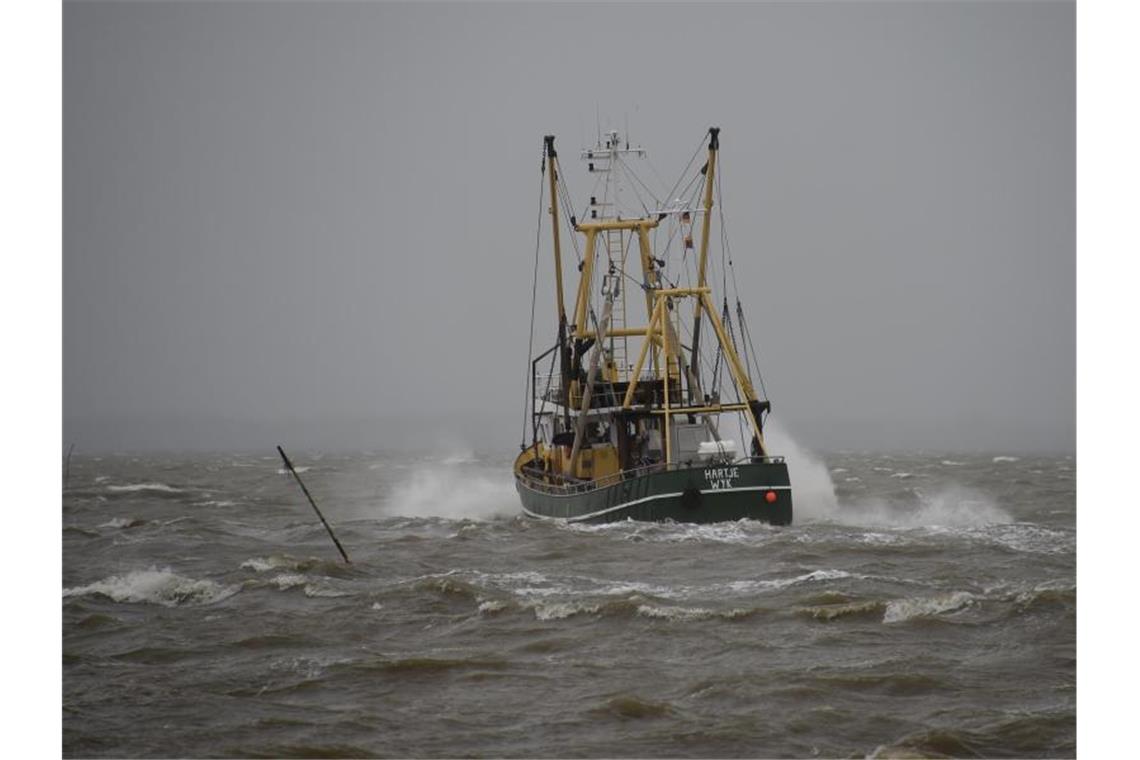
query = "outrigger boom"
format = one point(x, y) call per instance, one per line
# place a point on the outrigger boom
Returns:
point(606, 442)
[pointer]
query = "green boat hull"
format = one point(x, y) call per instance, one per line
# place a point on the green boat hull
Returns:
point(696, 494)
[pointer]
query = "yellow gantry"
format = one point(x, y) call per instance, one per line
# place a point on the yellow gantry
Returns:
point(659, 333)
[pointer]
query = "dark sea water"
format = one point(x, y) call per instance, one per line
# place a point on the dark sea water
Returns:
point(921, 605)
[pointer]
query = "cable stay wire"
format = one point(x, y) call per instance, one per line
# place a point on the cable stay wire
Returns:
point(529, 397)
point(568, 213)
point(752, 360)
point(685, 172)
point(633, 175)
point(629, 174)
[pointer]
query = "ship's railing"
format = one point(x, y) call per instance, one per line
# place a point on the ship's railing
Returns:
point(537, 479)
point(548, 387)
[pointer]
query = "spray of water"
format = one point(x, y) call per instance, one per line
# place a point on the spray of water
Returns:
point(812, 489)
point(451, 483)
point(455, 488)
point(815, 499)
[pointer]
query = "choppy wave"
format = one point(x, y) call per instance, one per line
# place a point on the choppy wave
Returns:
point(628, 706)
point(903, 684)
point(685, 614)
point(136, 487)
point(664, 636)
point(326, 567)
point(309, 586)
point(829, 612)
point(951, 506)
point(156, 586)
point(123, 522)
point(573, 596)
point(901, 610)
point(1030, 538)
point(1048, 594)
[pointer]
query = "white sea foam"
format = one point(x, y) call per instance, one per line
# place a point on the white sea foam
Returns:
point(491, 606)
point(675, 613)
point(262, 564)
point(134, 487)
point(768, 584)
point(121, 522)
point(952, 463)
point(288, 581)
point(154, 586)
point(1007, 459)
point(285, 471)
point(563, 610)
point(901, 610)
point(902, 475)
point(1029, 538)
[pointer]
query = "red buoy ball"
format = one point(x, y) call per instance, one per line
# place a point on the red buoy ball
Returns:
point(770, 497)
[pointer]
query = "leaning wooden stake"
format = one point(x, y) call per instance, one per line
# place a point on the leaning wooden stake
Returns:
point(67, 466)
point(316, 509)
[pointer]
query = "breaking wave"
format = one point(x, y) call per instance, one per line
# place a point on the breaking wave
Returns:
point(830, 612)
point(289, 581)
point(901, 610)
point(123, 522)
point(156, 586)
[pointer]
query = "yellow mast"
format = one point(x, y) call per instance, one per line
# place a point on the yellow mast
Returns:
point(552, 170)
point(563, 349)
point(710, 177)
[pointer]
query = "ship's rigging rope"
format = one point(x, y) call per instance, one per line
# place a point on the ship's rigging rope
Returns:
point(568, 214)
point(528, 399)
point(750, 355)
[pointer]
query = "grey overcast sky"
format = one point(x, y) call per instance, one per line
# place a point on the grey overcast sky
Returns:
point(314, 223)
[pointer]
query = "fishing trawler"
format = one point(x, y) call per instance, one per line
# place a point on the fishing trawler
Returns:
point(677, 433)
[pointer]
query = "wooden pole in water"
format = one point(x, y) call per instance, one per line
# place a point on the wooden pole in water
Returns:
point(67, 465)
point(316, 509)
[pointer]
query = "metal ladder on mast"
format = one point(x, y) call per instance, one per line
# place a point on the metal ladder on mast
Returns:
point(618, 346)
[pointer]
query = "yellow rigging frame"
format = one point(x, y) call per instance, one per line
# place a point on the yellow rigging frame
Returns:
point(659, 332)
